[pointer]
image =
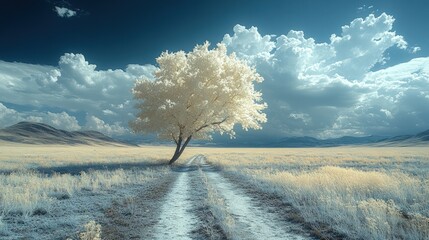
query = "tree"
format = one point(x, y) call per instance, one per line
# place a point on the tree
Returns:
point(197, 93)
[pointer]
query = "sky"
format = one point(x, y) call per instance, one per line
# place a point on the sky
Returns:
point(331, 68)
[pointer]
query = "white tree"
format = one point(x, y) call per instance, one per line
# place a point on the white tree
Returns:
point(197, 93)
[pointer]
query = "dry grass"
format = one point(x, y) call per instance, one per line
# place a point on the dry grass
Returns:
point(26, 191)
point(23, 156)
point(364, 192)
point(92, 231)
point(369, 193)
point(218, 208)
point(314, 157)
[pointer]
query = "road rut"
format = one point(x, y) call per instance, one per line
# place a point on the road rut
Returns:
point(252, 220)
point(178, 208)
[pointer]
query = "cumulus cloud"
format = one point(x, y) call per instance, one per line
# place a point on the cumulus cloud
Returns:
point(305, 118)
point(60, 120)
point(398, 101)
point(8, 116)
point(328, 89)
point(75, 85)
point(64, 12)
point(94, 123)
point(249, 44)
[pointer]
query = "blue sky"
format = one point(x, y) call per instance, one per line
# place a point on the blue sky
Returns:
point(72, 64)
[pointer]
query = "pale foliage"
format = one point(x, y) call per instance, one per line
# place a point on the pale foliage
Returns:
point(92, 231)
point(197, 93)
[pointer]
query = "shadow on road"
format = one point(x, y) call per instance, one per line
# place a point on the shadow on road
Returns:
point(182, 168)
point(196, 162)
point(77, 169)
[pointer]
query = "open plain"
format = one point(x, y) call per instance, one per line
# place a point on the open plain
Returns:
point(123, 192)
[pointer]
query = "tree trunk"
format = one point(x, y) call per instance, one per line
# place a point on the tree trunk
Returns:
point(179, 149)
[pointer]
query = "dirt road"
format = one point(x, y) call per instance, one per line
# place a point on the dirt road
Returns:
point(177, 208)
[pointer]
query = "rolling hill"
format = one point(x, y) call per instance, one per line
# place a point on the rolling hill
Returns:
point(39, 133)
point(406, 140)
point(403, 140)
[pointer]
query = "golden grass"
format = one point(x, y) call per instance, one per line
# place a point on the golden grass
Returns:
point(313, 156)
point(363, 192)
point(26, 191)
point(23, 156)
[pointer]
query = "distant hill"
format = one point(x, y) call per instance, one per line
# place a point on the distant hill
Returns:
point(291, 142)
point(39, 133)
point(403, 140)
point(332, 142)
point(406, 140)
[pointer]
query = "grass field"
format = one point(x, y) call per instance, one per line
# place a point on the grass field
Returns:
point(30, 179)
point(368, 193)
point(362, 192)
point(36, 178)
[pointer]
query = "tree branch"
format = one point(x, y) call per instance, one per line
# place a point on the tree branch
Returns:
point(211, 124)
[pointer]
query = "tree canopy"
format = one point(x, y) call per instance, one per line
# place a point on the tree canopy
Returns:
point(197, 93)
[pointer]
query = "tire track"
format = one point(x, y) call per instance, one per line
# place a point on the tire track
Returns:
point(133, 217)
point(177, 220)
point(252, 220)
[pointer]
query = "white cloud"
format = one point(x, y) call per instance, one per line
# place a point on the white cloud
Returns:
point(60, 120)
point(249, 44)
point(362, 44)
point(415, 49)
point(305, 118)
point(387, 112)
point(365, 7)
point(351, 54)
point(96, 124)
point(64, 12)
point(398, 99)
point(8, 116)
point(141, 71)
point(108, 112)
point(327, 89)
point(75, 85)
